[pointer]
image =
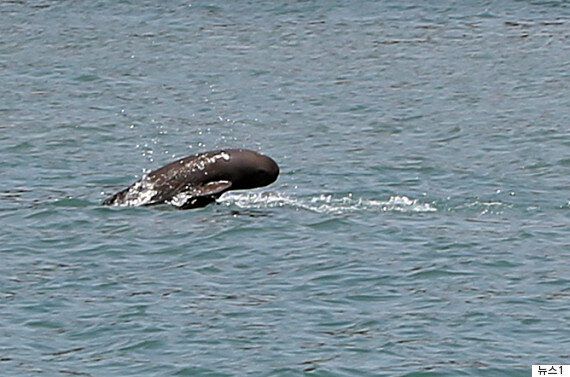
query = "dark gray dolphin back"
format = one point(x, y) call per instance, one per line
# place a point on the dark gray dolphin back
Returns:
point(197, 180)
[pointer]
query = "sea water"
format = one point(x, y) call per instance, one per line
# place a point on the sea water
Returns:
point(419, 227)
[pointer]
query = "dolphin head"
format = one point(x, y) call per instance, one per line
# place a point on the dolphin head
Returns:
point(248, 169)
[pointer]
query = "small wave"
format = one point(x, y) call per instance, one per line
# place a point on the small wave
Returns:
point(325, 203)
point(484, 208)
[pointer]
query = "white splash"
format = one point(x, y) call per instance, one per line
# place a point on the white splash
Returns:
point(180, 199)
point(325, 203)
point(403, 204)
point(139, 194)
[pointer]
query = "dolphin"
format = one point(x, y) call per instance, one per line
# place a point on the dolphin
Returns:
point(198, 180)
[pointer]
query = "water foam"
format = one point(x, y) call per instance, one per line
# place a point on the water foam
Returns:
point(325, 203)
point(139, 194)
